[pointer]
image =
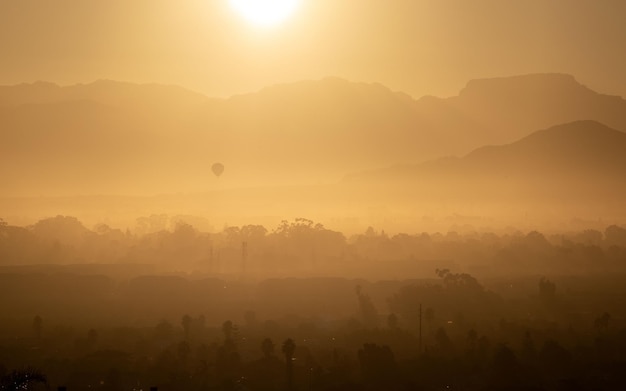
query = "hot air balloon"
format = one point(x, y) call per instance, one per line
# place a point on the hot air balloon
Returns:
point(217, 168)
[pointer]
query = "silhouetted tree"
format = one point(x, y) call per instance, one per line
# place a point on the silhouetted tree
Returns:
point(152, 224)
point(378, 365)
point(554, 357)
point(615, 236)
point(547, 291)
point(113, 380)
point(183, 352)
point(288, 349)
point(529, 352)
point(186, 323)
point(92, 338)
point(443, 341)
point(369, 315)
point(267, 347)
point(504, 364)
point(590, 237)
point(459, 280)
point(392, 321)
point(429, 317)
point(250, 317)
point(228, 329)
point(601, 323)
point(228, 363)
point(228, 359)
point(164, 330)
point(483, 347)
point(472, 340)
point(38, 326)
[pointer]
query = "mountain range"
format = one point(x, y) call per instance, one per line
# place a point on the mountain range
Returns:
point(286, 149)
point(121, 138)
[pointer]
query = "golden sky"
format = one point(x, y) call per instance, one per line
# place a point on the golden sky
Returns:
point(417, 46)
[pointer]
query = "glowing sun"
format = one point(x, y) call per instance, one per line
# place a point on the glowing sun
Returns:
point(265, 12)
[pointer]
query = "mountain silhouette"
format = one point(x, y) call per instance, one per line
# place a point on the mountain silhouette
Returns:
point(107, 92)
point(567, 162)
point(567, 149)
point(110, 137)
point(521, 104)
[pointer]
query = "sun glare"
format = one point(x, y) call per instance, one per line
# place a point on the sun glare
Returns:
point(265, 12)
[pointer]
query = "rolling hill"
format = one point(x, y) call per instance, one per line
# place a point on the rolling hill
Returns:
point(581, 162)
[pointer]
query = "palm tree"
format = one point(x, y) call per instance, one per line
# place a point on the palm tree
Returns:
point(267, 346)
point(429, 316)
point(38, 326)
point(289, 348)
point(602, 322)
point(186, 322)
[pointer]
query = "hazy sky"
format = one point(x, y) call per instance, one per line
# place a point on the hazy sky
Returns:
point(418, 46)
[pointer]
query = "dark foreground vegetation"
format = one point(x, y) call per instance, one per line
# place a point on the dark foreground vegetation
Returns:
point(473, 311)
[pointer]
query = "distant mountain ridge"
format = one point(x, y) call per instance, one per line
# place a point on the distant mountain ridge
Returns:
point(581, 151)
point(116, 138)
point(577, 145)
point(537, 101)
point(109, 92)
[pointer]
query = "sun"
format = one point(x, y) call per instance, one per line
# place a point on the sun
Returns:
point(265, 13)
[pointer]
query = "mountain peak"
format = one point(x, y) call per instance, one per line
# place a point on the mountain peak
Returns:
point(331, 92)
point(580, 126)
point(569, 147)
point(523, 84)
point(330, 85)
point(585, 133)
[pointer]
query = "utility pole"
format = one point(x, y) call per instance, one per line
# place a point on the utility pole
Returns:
point(420, 334)
point(244, 257)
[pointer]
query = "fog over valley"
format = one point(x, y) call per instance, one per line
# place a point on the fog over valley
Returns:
point(312, 195)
